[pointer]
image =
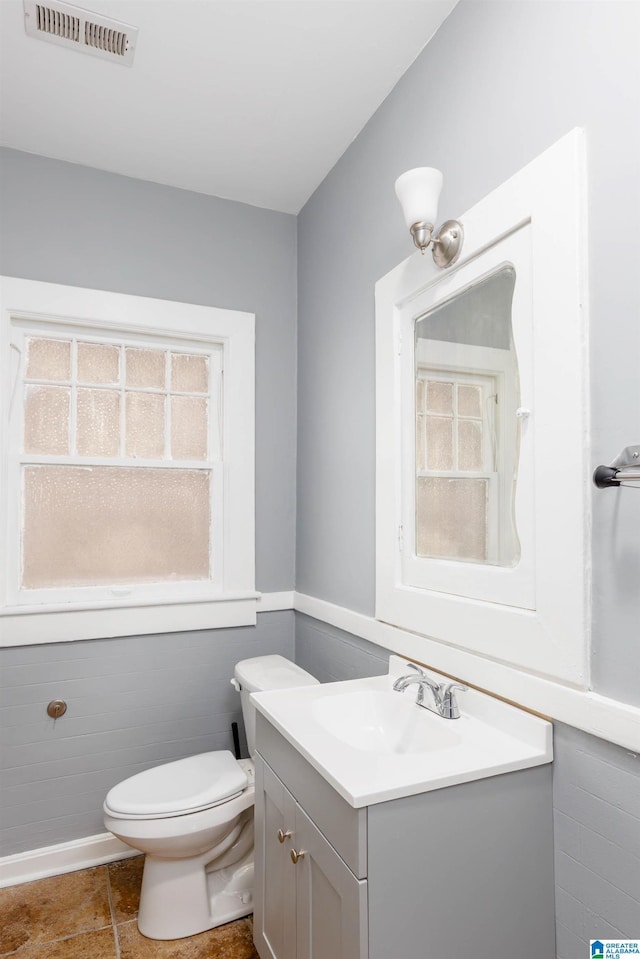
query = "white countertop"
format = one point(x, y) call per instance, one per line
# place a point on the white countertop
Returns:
point(373, 744)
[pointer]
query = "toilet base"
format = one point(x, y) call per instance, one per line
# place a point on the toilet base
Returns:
point(181, 898)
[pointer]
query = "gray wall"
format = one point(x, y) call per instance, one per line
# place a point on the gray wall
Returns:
point(332, 655)
point(498, 84)
point(528, 73)
point(133, 702)
point(69, 224)
point(596, 799)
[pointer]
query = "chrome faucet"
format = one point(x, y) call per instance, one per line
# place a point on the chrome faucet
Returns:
point(443, 695)
point(420, 680)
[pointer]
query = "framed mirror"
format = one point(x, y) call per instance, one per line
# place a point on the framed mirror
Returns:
point(466, 382)
point(467, 417)
point(482, 460)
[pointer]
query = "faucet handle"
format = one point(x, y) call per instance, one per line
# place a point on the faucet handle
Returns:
point(450, 708)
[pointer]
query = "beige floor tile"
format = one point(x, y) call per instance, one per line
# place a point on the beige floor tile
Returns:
point(125, 878)
point(88, 945)
point(232, 941)
point(50, 909)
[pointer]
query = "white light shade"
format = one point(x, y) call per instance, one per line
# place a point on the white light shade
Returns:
point(419, 191)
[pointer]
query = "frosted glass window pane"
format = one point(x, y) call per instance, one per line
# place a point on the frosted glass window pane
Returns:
point(420, 443)
point(48, 359)
point(145, 368)
point(470, 445)
point(98, 423)
point(451, 518)
point(98, 363)
point(469, 401)
point(145, 425)
point(439, 443)
point(420, 395)
point(439, 397)
point(188, 428)
point(46, 420)
point(110, 525)
point(189, 374)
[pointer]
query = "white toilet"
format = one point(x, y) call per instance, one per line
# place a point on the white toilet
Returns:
point(194, 820)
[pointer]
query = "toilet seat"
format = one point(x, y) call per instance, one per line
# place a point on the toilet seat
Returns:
point(178, 788)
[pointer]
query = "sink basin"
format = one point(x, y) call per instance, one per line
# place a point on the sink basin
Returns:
point(383, 722)
point(373, 744)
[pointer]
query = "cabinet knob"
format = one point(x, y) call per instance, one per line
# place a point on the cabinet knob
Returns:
point(283, 835)
point(295, 856)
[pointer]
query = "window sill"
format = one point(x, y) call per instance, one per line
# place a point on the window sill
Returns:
point(26, 626)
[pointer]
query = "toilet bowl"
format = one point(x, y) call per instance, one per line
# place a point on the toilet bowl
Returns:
point(193, 819)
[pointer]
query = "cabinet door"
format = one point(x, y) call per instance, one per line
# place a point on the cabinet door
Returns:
point(331, 902)
point(274, 923)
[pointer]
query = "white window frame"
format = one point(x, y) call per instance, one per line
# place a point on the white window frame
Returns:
point(492, 364)
point(229, 598)
point(443, 370)
point(547, 630)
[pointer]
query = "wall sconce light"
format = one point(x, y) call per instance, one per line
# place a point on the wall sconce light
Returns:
point(418, 191)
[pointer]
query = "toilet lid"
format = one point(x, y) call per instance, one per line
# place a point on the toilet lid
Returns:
point(186, 785)
point(271, 672)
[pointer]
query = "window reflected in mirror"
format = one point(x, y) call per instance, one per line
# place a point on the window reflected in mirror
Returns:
point(467, 429)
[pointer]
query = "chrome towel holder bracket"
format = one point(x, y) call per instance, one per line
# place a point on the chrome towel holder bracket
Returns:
point(624, 471)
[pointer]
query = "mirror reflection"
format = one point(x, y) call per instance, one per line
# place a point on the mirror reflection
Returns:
point(467, 426)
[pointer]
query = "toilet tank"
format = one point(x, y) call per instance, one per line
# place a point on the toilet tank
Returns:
point(260, 674)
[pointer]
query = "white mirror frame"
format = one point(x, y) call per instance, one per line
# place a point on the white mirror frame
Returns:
point(553, 639)
point(510, 586)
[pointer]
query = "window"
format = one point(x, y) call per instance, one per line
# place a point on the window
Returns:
point(468, 409)
point(128, 462)
point(482, 466)
point(456, 468)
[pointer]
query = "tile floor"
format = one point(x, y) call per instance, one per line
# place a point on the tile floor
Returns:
point(91, 914)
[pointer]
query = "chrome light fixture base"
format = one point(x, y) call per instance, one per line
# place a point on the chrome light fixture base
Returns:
point(446, 246)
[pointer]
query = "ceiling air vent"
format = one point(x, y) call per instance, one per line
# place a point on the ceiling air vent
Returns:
point(80, 30)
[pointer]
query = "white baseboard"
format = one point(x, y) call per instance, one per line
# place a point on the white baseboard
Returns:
point(598, 715)
point(64, 857)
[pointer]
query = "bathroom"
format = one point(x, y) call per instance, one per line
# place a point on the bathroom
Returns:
point(495, 87)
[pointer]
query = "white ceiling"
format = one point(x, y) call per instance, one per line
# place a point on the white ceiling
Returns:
point(253, 100)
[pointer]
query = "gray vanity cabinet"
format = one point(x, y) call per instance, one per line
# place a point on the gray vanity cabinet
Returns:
point(275, 889)
point(465, 871)
point(314, 908)
point(331, 904)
